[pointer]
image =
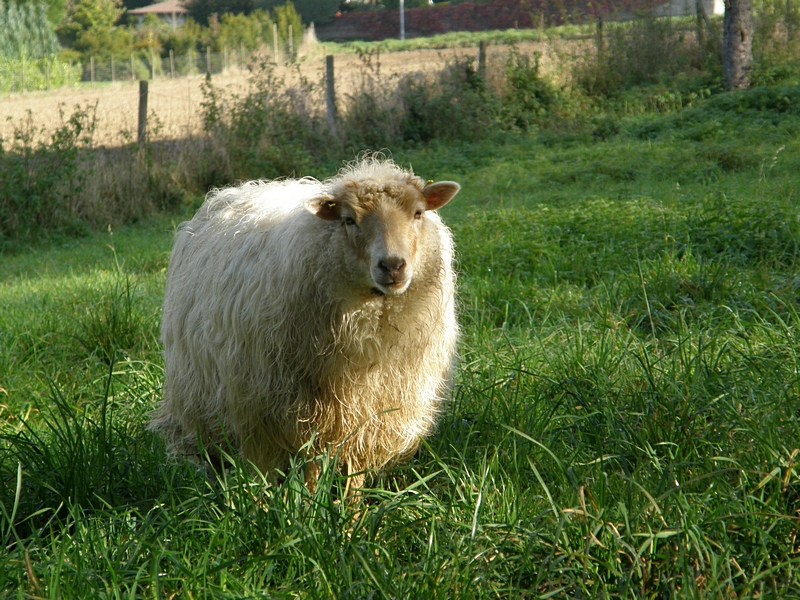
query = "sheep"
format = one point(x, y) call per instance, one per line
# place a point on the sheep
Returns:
point(311, 315)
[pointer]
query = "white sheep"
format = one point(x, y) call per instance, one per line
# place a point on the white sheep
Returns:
point(306, 313)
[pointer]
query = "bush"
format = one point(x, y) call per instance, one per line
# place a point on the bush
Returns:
point(455, 104)
point(527, 98)
point(271, 132)
point(40, 181)
point(643, 52)
point(18, 75)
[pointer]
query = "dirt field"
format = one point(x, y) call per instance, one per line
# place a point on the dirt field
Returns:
point(174, 105)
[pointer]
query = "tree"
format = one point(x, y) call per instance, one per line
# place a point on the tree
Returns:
point(26, 31)
point(90, 29)
point(286, 17)
point(737, 44)
point(310, 11)
point(201, 10)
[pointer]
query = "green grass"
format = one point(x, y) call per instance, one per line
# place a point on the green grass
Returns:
point(624, 422)
point(462, 39)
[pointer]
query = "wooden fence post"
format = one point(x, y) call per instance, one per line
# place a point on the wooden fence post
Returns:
point(291, 44)
point(330, 94)
point(275, 42)
point(171, 64)
point(142, 133)
point(208, 61)
point(482, 59)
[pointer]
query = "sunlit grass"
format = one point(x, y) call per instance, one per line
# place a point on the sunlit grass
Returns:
point(624, 421)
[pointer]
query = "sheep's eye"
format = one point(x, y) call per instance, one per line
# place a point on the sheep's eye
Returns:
point(418, 214)
point(349, 221)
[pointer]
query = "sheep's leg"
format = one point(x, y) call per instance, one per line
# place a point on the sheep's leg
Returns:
point(311, 471)
point(355, 481)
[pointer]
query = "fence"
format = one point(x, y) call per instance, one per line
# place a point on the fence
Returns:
point(330, 93)
point(45, 74)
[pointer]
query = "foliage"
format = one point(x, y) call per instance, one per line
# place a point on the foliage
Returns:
point(776, 48)
point(249, 32)
point(26, 32)
point(89, 28)
point(501, 15)
point(456, 105)
point(42, 74)
point(310, 11)
point(202, 10)
point(643, 52)
point(39, 180)
point(272, 131)
point(55, 11)
point(287, 18)
point(527, 98)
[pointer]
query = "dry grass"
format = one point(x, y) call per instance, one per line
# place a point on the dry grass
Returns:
point(174, 105)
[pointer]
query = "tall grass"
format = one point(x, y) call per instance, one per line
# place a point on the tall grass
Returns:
point(623, 424)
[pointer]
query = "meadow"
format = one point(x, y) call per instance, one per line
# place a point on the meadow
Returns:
point(624, 419)
point(175, 105)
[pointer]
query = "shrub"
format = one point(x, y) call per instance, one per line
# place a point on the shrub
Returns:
point(455, 104)
point(272, 131)
point(527, 98)
point(643, 52)
point(40, 181)
point(24, 75)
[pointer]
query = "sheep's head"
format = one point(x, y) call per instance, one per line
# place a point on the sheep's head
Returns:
point(385, 225)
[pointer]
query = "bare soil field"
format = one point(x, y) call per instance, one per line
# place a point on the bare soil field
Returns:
point(174, 105)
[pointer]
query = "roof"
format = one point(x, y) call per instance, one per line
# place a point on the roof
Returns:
point(160, 8)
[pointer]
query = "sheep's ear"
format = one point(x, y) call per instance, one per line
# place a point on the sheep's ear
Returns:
point(325, 207)
point(440, 193)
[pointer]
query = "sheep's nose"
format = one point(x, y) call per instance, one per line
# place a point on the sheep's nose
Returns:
point(393, 266)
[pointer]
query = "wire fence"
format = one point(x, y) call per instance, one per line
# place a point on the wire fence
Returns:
point(44, 74)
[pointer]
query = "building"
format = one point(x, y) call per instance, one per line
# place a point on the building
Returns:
point(169, 11)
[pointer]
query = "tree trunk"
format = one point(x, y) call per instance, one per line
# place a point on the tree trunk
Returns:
point(737, 44)
point(702, 17)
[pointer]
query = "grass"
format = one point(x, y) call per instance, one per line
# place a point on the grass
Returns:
point(462, 39)
point(624, 422)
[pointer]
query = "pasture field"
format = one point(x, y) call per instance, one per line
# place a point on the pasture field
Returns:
point(175, 105)
point(624, 421)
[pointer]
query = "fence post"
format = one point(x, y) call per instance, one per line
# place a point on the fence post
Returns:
point(153, 65)
point(330, 94)
point(142, 132)
point(275, 42)
point(599, 39)
point(171, 64)
point(291, 44)
point(208, 61)
point(482, 59)
point(241, 57)
point(112, 70)
point(402, 20)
